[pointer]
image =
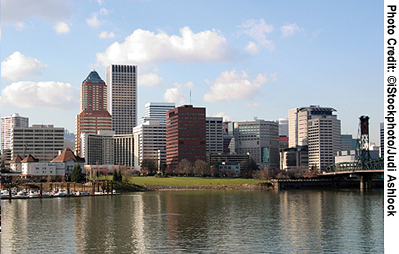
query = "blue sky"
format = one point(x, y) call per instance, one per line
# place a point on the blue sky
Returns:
point(240, 59)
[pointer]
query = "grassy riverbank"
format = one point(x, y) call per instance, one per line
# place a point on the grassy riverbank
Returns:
point(190, 181)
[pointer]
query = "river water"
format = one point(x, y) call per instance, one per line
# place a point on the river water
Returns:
point(292, 221)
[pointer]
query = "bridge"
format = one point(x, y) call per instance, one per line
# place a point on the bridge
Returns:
point(364, 170)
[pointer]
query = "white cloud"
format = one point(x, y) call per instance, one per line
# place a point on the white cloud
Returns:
point(252, 48)
point(257, 29)
point(289, 30)
point(20, 26)
point(149, 80)
point(62, 28)
point(105, 35)
point(18, 66)
point(226, 117)
point(52, 95)
point(190, 84)
point(93, 21)
point(21, 10)
point(144, 47)
point(174, 95)
point(252, 105)
point(234, 86)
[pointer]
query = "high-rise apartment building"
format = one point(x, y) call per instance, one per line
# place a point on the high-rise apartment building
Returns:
point(185, 135)
point(40, 141)
point(258, 139)
point(94, 116)
point(122, 97)
point(156, 111)
point(214, 135)
point(7, 123)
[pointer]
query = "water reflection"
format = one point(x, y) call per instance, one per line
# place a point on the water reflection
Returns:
point(197, 221)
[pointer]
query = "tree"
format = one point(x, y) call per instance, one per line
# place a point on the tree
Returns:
point(201, 168)
point(115, 176)
point(77, 175)
point(150, 165)
point(186, 167)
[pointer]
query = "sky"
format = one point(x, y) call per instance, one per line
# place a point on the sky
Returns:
point(239, 59)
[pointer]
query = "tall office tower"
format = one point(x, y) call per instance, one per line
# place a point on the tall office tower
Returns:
point(150, 143)
point(324, 140)
point(298, 123)
point(9, 122)
point(94, 116)
point(259, 139)
point(185, 135)
point(214, 135)
point(40, 141)
point(122, 97)
point(156, 111)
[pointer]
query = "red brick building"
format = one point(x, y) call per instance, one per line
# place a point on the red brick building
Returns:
point(185, 135)
point(93, 105)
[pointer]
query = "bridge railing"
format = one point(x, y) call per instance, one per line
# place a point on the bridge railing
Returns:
point(354, 166)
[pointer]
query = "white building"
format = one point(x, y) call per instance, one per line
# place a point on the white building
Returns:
point(106, 148)
point(214, 135)
point(61, 165)
point(122, 97)
point(7, 124)
point(156, 111)
point(258, 139)
point(150, 143)
point(41, 141)
point(324, 140)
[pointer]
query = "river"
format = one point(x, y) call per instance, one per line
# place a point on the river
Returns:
point(292, 221)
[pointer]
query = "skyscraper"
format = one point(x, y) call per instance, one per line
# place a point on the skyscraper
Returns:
point(185, 135)
point(9, 122)
point(317, 128)
point(156, 111)
point(93, 105)
point(122, 97)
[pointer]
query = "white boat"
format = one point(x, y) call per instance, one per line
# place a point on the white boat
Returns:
point(33, 194)
point(5, 194)
point(21, 194)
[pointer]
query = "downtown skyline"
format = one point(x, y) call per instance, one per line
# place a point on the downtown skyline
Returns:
point(240, 61)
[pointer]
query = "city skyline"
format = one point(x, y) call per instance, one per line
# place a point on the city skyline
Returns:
point(261, 62)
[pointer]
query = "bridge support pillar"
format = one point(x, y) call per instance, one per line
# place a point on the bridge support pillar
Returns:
point(365, 182)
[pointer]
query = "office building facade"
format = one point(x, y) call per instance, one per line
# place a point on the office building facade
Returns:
point(150, 143)
point(214, 135)
point(7, 124)
point(94, 116)
point(185, 135)
point(259, 139)
point(324, 141)
point(41, 141)
point(156, 111)
point(122, 97)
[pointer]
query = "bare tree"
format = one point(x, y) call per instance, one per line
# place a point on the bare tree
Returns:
point(201, 168)
point(186, 167)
